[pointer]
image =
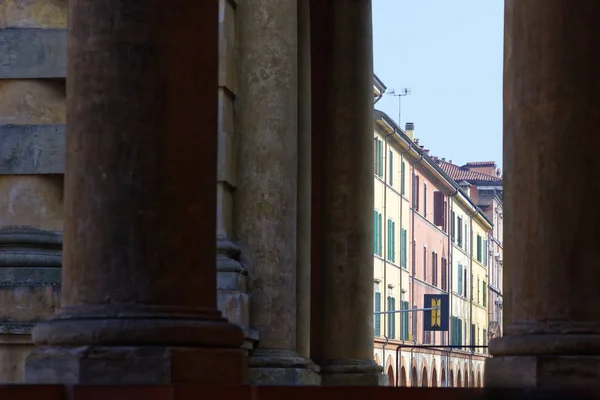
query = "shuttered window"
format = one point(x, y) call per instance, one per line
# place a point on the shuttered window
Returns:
point(404, 249)
point(377, 315)
point(460, 279)
point(391, 179)
point(391, 333)
point(403, 178)
point(391, 242)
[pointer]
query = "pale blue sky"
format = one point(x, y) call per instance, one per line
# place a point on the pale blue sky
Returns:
point(449, 53)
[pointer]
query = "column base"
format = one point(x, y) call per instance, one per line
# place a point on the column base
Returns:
point(353, 373)
point(544, 361)
point(282, 367)
point(543, 372)
point(101, 365)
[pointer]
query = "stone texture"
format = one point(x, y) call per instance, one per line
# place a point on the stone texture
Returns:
point(304, 218)
point(34, 201)
point(140, 194)
point(32, 102)
point(265, 202)
point(33, 53)
point(32, 149)
point(30, 261)
point(345, 292)
point(551, 98)
point(33, 14)
point(95, 365)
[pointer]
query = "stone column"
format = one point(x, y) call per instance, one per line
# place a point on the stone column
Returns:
point(303, 275)
point(551, 119)
point(344, 43)
point(265, 203)
point(32, 117)
point(139, 302)
point(232, 277)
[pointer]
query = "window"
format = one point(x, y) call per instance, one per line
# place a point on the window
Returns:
point(473, 337)
point(416, 192)
point(377, 322)
point(403, 250)
point(403, 178)
point(425, 199)
point(460, 232)
point(453, 227)
point(391, 180)
point(391, 333)
point(414, 322)
point(405, 316)
point(479, 248)
point(465, 283)
point(444, 274)
point(439, 209)
point(434, 268)
point(484, 287)
point(466, 241)
point(391, 242)
point(379, 157)
point(485, 253)
point(460, 279)
point(377, 233)
point(484, 343)
point(425, 263)
point(478, 292)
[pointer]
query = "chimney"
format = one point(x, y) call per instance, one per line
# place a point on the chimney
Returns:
point(444, 159)
point(410, 130)
point(417, 141)
point(426, 151)
point(450, 161)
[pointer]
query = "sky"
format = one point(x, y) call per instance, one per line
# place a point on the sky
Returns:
point(449, 53)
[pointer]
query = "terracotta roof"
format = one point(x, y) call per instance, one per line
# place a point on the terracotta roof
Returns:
point(464, 173)
point(480, 164)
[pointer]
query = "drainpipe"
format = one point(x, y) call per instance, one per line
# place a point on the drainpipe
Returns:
point(449, 262)
point(414, 258)
point(385, 247)
point(473, 214)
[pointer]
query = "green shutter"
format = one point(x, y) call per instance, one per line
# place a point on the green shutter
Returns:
point(484, 343)
point(402, 178)
point(377, 316)
point(379, 228)
point(380, 159)
point(485, 253)
point(391, 333)
point(478, 248)
point(393, 242)
point(375, 219)
point(405, 316)
point(391, 168)
point(393, 318)
point(404, 250)
point(484, 294)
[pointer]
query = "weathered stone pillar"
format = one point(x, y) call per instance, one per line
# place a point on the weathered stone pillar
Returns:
point(139, 300)
point(551, 119)
point(32, 117)
point(265, 200)
point(303, 275)
point(344, 43)
point(232, 277)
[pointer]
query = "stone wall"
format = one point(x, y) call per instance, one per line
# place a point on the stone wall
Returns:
point(32, 129)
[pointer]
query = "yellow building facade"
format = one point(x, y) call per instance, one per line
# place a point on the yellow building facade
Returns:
point(395, 154)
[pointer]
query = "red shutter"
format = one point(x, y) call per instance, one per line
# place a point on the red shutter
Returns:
point(438, 208)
